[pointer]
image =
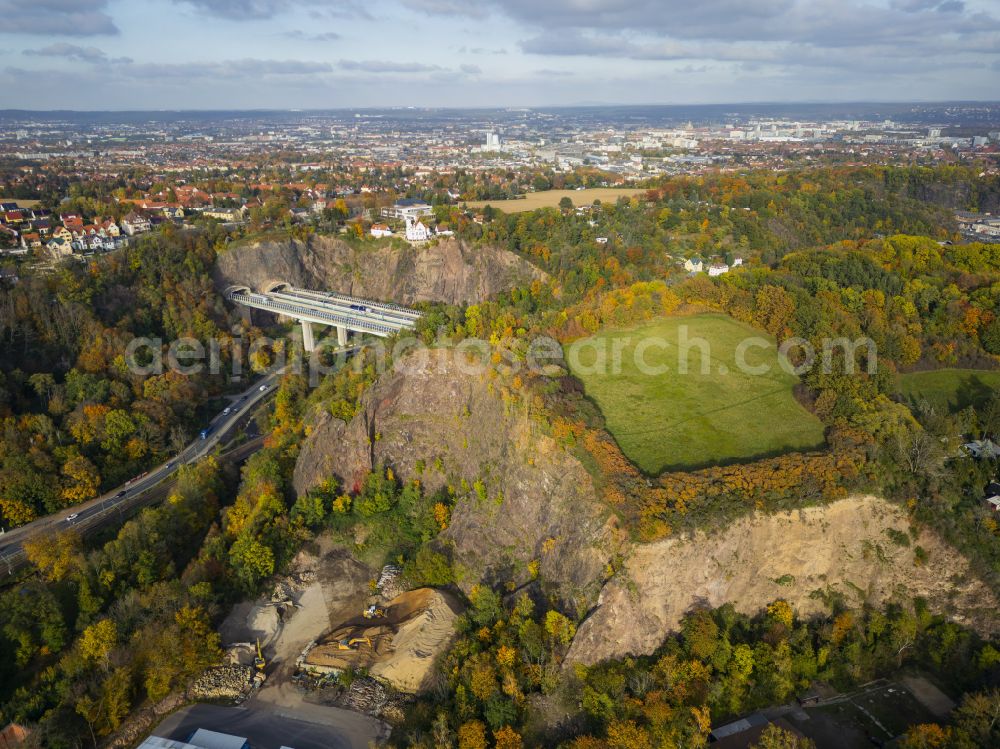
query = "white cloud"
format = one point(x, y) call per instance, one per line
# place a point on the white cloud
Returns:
point(56, 17)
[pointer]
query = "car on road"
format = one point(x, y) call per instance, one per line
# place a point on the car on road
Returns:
point(243, 398)
point(71, 518)
point(262, 388)
point(122, 493)
point(171, 464)
point(226, 410)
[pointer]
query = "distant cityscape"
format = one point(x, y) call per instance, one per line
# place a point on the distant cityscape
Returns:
point(151, 168)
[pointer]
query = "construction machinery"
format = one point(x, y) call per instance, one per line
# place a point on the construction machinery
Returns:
point(354, 643)
point(374, 612)
point(259, 662)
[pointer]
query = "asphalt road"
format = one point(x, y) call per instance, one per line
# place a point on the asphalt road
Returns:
point(139, 489)
point(270, 728)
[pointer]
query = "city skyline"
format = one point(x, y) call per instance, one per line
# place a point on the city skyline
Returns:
point(273, 54)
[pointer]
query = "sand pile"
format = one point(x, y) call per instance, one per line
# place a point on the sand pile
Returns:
point(399, 647)
point(419, 640)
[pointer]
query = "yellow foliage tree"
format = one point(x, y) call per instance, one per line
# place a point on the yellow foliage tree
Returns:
point(507, 738)
point(472, 735)
point(98, 640)
point(82, 480)
point(56, 556)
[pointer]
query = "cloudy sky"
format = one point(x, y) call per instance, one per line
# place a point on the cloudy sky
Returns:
point(209, 54)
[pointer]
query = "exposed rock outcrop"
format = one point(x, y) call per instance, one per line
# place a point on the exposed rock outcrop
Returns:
point(539, 502)
point(844, 546)
point(451, 419)
point(449, 271)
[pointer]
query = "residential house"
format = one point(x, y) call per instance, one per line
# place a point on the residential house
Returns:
point(60, 246)
point(71, 221)
point(982, 449)
point(109, 227)
point(380, 230)
point(416, 231)
point(135, 223)
point(170, 210)
point(992, 496)
point(31, 240)
point(694, 265)
point(717, 269)
point(225, 214)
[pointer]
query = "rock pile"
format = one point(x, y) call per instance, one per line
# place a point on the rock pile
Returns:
point(223, 683)
point(390, 582)
point(366, 695)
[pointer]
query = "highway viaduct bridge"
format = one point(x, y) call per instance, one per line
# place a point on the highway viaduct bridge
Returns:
point(345, 313)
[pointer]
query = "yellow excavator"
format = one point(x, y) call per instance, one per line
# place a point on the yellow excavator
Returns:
point(354, 643)
point(259, 661)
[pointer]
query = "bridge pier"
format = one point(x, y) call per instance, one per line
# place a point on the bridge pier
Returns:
point(307, 336)
point(341, 335)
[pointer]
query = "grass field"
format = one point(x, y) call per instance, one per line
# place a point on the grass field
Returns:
point(551, 198)
point(952, 389)
point(21, 202)
point(674, 420)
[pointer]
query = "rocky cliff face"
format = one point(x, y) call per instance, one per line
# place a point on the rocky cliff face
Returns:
point(844, 547)
point(437, 412)
point(539, 506)
point(449, 271)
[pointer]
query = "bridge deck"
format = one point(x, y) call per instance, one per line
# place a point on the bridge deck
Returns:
point(328, 308)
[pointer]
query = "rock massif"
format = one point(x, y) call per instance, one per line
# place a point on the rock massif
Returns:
point(449, 271)
point(847, 547)
point(537, 503)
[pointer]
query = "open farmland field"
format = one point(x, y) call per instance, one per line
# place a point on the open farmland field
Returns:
point(713, 414)
point(551, 198)
point(951, 389)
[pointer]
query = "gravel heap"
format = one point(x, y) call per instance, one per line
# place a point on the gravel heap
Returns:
point(223, 683)
point(390, 582)
point(365, 695)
